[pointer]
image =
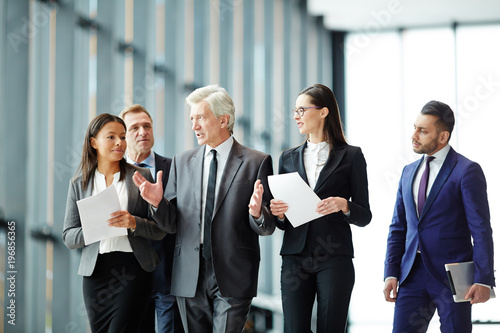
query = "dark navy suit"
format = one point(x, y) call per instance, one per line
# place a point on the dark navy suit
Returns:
point(456, 209)
point(168, 314)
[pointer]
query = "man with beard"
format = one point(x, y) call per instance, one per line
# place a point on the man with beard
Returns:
point(441, 203)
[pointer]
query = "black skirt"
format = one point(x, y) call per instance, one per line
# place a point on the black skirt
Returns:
point(117, 293)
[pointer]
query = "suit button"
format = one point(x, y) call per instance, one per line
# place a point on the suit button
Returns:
point(196, 249)
point(199, 225)
point(420, 229)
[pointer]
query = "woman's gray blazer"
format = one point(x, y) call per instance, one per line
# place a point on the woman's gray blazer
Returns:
point(146, 228)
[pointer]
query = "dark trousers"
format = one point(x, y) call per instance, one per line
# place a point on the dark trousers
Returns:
point(167, 314)
point(307, 276)
point(418, 298)
point(209, 311)
point(117, 293)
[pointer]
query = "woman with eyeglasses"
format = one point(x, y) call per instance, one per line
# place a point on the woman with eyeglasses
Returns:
point(317, 256)
point(117, 271)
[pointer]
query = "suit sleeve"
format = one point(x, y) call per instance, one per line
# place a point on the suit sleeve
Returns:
point(359, 205)
point(268, 224)
point(166, 214)
point(279, 223)
point(145, 227)
point(477, 212)
point(72, 230)
point(396, 240)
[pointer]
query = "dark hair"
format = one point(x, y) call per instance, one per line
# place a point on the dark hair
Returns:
point(88, 164)
point(446, 118)
point(323, 96)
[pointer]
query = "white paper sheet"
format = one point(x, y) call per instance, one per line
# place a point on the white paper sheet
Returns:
point(95, 211)
point(300, 198)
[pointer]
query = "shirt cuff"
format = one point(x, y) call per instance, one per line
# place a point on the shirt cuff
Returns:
point(260, 220)
point(390, 278)
point(484, 285)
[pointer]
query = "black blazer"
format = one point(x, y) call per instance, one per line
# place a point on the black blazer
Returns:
point(344, 175)
point(162, 276)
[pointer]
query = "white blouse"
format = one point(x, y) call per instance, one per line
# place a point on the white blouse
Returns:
point(119, 243)
point(315, 156)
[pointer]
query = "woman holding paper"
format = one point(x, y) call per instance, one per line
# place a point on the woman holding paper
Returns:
point(116, 271)
point(317, 256)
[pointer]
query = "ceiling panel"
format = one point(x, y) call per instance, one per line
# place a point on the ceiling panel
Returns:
point(377, 15)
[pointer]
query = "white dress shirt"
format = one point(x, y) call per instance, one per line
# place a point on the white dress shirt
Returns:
point(119, 243)
point(222, 155)
point(434, 167)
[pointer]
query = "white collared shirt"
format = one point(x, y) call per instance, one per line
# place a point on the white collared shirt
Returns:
point(119, 243)
point(223, 151)
point(434, 167)
point(315, 156)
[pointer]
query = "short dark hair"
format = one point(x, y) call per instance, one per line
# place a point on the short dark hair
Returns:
point(446, 118)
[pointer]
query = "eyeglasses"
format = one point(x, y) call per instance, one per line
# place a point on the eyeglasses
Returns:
point(300, 111)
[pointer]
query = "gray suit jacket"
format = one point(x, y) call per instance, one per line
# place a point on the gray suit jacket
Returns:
point(73, 234)
point(235, 234)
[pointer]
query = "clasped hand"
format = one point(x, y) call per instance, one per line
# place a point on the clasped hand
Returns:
point(326, 206)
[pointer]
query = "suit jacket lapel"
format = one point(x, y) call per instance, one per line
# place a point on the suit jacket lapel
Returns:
point(234, 161)
point(161, 164)
point(409, 189)
point(331, 164)
point(298, 162)
point(195, 169)
point(449, 164)
point(132, 192)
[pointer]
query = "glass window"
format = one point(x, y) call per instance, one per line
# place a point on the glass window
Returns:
point(389, 77)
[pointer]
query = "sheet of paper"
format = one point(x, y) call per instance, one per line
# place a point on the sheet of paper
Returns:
point(300, 198)
point(95, 211)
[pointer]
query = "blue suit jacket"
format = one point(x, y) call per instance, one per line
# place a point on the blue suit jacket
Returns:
point(456, 209)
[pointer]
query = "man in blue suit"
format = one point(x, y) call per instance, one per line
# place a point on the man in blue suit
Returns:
point(140, 142)
point(441, 203)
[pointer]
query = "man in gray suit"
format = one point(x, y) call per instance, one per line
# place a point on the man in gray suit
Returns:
point(212, 201)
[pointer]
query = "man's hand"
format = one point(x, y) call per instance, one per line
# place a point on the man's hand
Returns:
point(152, 193)
point(391, 289)
point(255, 204)
point(478, 294)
